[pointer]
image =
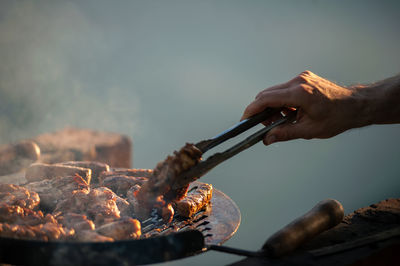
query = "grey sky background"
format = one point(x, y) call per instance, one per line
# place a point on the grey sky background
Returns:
point(170, 72)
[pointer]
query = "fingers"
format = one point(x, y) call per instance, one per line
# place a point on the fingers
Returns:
point(285, 132)
point(274, 99)
point(276, 87)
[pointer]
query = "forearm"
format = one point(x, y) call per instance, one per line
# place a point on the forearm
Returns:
point(379, 103)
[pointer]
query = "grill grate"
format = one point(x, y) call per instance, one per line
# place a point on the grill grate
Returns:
point(217, 222)
point(154, 226)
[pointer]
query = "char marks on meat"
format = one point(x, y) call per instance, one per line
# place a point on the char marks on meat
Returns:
point(99, 205)
point(19, 215)
point(58, 203)
point(40, 171)
point(197, 199)
point(24, 223)
point(165, 176)
point(17, 195)
point(78, 222)
point(120, 184)
point(128, 172)
point(51, 191)
point(44, 232)
point(96, 167)
point(125, 228)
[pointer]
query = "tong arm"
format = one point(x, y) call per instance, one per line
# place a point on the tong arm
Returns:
point(237, 129)
point(203, 167)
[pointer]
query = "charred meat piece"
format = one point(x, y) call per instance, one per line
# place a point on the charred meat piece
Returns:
point(102, 206)
point(124, 207)
point(14, 214)
point(99, 205)
point(195, 200)
point(96, 167)
point(120, 184)
point(40, 171)
point(131, 198)
point(125, 228)
point(78, 222)
point(167, 213)
point(91, 236)
point(17, 195)
point(51, 191)
point(44, 232)
point(165, 176)
point(76, 203)
point(128, 172)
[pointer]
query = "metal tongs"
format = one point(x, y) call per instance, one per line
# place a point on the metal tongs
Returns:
point(284, 115)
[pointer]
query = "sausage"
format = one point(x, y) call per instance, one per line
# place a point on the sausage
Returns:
point(195, 200)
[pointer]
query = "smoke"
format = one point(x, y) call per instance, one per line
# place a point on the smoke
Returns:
point(50, 53)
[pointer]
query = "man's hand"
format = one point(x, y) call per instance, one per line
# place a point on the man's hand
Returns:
point(324, 108)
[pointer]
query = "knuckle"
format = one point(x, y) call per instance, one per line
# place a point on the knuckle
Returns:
point(307, 73)
point(303, 89)
point(302, 78)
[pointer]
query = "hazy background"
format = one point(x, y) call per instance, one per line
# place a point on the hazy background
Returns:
point(168, 72)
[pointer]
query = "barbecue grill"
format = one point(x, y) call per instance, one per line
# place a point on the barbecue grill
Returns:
point(163, 242)
point(183, 237)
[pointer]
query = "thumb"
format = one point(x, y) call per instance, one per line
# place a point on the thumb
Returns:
point(284, 132)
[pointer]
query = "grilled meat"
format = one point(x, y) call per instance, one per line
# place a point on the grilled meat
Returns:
point(99, 205)
point(76, 211)
point(131, 198)
point(51, 191)
point(125, 228)
point(167, 213)
point(44, 232)
point(102, 205)
point(124, 207)
point(23, 223)
point(19, 215)
point(40, 171)
point(96, 167)
point(195, 200)
point(128, 172)
point(20, 196)
point(76, 203)
point(78, 222)
point(165, 177)
point(90, 235)
point(120, 184)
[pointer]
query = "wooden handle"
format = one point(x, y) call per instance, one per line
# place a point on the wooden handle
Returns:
point(325, 215)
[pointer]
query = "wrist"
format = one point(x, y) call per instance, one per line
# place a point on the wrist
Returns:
point(366, 102)
point(378, 103)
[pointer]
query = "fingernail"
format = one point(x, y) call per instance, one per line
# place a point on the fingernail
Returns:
point(271, 139)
